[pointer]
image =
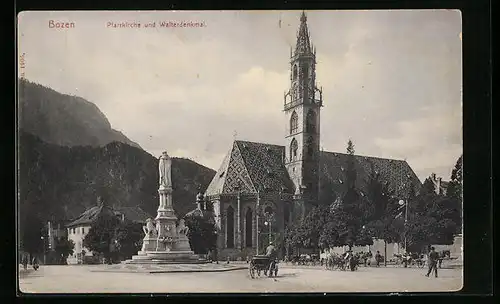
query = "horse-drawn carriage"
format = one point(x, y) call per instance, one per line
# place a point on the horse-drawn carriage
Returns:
point(262, 263)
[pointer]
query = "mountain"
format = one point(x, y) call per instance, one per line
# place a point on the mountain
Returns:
point(58, 182)
point(63, 119)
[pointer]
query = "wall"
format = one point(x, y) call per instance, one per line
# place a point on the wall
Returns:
point(394, 248)
point(455, 249)
point(77, 237)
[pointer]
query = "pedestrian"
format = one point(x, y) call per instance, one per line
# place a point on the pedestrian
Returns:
point(377, 258)
point(433, 260)
point(35, 263)
point(25, 262)
point(441, 257)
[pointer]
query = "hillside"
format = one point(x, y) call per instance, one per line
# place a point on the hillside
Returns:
point(57, 182)
point(63, 119)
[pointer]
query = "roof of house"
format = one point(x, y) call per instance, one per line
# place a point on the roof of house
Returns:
point(257, 166)
point(134, 214)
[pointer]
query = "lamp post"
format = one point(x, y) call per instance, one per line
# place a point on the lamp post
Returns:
point(257, 210)
point(43, 244)
point(269, 218)
point(405, 203)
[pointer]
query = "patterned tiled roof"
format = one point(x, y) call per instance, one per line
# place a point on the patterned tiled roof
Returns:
point(395, 172)
point(134, 214)
point(264, 163)
point(260, 166)
point(252, 167)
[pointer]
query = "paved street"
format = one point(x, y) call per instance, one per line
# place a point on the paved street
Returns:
point(80, 279)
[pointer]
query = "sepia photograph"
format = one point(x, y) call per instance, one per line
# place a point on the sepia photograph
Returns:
point(310, 151)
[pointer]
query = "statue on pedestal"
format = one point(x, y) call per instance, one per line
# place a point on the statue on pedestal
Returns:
point(165, 166)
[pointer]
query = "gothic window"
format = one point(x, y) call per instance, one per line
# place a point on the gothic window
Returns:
point(248, 227)
point(305, 72)
point(293, 150)
point(230, 227)
point(294, 123)
point(268, 210)
point(294, 72)
point(311, 122)
point(310, 147)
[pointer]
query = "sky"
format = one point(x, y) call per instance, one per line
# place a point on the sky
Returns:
point(392, 80)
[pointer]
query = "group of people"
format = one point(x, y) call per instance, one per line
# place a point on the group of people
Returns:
point(434, 258)
point(34, 262)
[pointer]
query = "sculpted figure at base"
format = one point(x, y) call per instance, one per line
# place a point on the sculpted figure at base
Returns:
point(149, 229)
point(182, 228)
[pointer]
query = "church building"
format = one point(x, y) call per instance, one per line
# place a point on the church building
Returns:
point(261, 188)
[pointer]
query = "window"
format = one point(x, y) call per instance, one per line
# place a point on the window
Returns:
point(83, 230)
point(230, 227)
point(294, 72)
point(248, 227)
point(74, 230)
point(294, 123)
point(293, 150)
point(311, 122)
point(310, 147)
point(305, 71)
point(268, 209)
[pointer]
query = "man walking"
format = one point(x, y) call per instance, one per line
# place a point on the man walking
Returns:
point(377, 258)
point(433, 260)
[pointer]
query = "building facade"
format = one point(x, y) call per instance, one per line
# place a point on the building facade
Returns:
point(80, 227)
point(262, 188)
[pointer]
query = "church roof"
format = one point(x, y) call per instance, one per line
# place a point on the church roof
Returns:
point(394, 172)
point(252, 167)
point(261, 166)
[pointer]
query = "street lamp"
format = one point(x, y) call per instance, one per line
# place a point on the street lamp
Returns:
point(269, 218)
point(405, 203)
point(43, 242)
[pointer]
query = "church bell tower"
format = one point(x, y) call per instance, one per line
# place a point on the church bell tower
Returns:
point(302, 107)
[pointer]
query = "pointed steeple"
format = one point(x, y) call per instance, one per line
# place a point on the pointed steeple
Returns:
point(303, 45)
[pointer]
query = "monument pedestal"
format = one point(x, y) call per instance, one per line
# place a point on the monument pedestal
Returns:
point(165, 242)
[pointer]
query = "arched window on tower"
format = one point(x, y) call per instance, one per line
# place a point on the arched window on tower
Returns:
point(311, 122)
point(248, 227)
point(310, 147)
point(294, 123)
point(294, 72)
point(230, 227)
point(293, 150)
point(305, 72)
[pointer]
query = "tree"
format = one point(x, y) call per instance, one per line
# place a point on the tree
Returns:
point(32, 233)
point(129, 237)
point(64, 248)
point(101, 236)
point(454, 194)
point(432, 219)
point(352, 212)
point(202, 234)
point(306, 233)
point(382, 211)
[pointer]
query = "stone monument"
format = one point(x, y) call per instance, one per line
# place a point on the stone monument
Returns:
point(164, 241)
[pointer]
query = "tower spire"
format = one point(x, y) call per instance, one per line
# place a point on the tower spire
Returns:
point(303, 45)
